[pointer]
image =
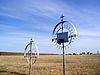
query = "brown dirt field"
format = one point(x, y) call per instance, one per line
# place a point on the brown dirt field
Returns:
point(51, 65)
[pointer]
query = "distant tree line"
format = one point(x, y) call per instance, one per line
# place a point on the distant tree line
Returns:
point(84, 53)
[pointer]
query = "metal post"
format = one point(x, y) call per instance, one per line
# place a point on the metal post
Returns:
point(64, 63)
point(30, 59)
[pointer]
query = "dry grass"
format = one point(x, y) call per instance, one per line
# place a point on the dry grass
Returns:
point(51, 65)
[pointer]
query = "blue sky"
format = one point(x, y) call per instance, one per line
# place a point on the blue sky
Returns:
point(22, 19)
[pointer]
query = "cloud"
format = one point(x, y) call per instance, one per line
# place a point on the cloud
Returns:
point(88, 33)
point(5, 26)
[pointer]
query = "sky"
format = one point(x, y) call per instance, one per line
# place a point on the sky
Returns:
point(21, 20)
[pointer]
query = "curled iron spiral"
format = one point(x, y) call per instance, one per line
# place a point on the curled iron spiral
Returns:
point(67, 27)
point(29, 53)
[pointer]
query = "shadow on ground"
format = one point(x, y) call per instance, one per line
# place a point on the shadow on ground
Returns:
point(16, 73)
